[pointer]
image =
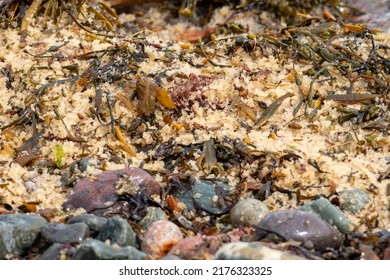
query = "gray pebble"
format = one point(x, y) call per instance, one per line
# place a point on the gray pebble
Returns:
point(251, 251)
point(7, 242)
point(248, 212)
point(206, 198)
point(301, 226)
point(53, 252)
point(328, 212)
point(118, 231)
point(24, 230)
point(94, 223)
point(65, 233)
point(92, 249)
point(153, 214)
point(354, 200)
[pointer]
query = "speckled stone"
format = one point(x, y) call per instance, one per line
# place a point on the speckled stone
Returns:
point(95, 193)
point(328, 212)
point(153, 214)
point(206, 198)
point(301, 226)
point(92, 249)
point(248, 212)
point(118, 231)
point(354, 200)
point(65, 233)
point(19, 232)
point(252, 251)
point(160, 237)
point(94, 223)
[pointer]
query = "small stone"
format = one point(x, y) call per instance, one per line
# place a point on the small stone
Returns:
point(328, 212)
point(118, 231)
point(354, 200)
point(153, 214)
point(24, 229)
point(65, 233)
point(94, 223)
point(248, 212)
point(160, 237)
point(95, 194)
point(203, 193)
point(53, 252)
point(7, 242)
point(92, 249)
point(301, 226)
point(252, 251)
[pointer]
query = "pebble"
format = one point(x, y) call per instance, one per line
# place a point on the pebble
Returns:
point(248, 212)
point(118, 231)
point(153, 214)
point(160, 237)
point(96, 194)
point(329, 213)
point(252, 251)
point(18, 233)
point(65, 233)
point(94, 223)
point(354, 200)
point(301, 226)
point(206, 196)
point(92, 249)
point(53, 252)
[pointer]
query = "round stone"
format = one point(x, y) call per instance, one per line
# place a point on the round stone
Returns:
point(160, 237)
point(94, 223)
point(118, 231)
point(248, 212)
point(65, 233)
point(153, 214)
point(354, 200)
point(301, 226)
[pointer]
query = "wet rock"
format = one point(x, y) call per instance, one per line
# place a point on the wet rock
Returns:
point(94, 223)
point(354, 200)
point(252, 251)
point(248, 212)
point(301, 226)
point(92, 249)
point(99, 194)
point(19, 232)
point(65, 233)
point(153, 214)
point(209, 196)
point(328, 212)
point(118, 231)
point(53, 252)
point(160, 237)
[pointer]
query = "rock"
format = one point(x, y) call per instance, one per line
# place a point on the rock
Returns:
point(252, 251)
point(24, 230)
point(7, 242)
point(153, 214)
point(99, 194)
point(160, 237)
point(354, 200)
point(301, 226)
point(248, 212)
point(65, 233)
point(118, 231)
point(94, 223)
point(53, 252)
point(328, 212)
point(209, 196)
point(92, 249)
